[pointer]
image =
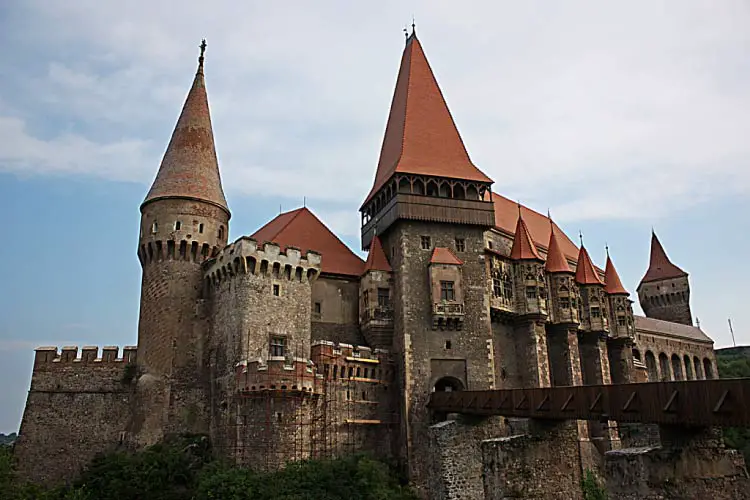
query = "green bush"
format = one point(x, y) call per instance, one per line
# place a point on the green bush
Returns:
point(591, 488)
point(183, 470)
point(735, 366)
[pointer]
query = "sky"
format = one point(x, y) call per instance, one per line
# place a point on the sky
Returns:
point(617, 116)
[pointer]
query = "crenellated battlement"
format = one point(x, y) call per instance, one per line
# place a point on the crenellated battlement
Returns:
point(177, 250)
point(245, 256)
point(276, 374)
point(48, 357)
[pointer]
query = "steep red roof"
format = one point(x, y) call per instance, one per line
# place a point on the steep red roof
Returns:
point(556, 261)
point(441, 255)
point(376, 259)
point(421, 137)
point(506, 218)
point(523, 244)
point(612, 279)
point(585, 272)
point(660, 267)
point(302, 229)
point(189, 168)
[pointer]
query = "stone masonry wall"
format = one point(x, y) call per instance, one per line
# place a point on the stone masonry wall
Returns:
point(338, 319)
point(76, 407)
point(423, 353)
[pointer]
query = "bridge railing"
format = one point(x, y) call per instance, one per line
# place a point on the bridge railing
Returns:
point(694, 403)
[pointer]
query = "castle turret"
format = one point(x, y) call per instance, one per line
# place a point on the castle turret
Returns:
point(563, 297)
point(593, 308)
point(184, 221)
point(528, 269)
point(621, 326)
point(376, 310)
point(664, 291)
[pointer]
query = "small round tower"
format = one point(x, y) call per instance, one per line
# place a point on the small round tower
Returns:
point(184, 221)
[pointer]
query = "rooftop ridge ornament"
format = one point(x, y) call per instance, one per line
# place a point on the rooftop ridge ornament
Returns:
point(201, 58)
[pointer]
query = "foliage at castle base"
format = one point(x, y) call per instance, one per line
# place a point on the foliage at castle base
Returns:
point(184, 470)
point(735, 363)
point(7, 439)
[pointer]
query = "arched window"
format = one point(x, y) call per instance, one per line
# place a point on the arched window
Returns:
point(665, 371)
point(708, 369)
point(688, 368)
point(154, 227)
point(698, 368)
point(653, 373)
point(637, 354)
point(677, 367)
point(221, 232)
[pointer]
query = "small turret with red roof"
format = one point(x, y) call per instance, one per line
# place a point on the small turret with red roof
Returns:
point(621, 322)
point(563, 288)
point(594, 306)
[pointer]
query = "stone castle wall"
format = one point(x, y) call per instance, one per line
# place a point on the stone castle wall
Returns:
point(77, 406)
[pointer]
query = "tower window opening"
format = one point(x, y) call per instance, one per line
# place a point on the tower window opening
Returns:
point(448, 344)
point(447, 291)
point(200, 228)
point(460, 245)
point(154, 227)
point(426, 243)
point(348, 395)
point(317, 308)
point(489, 245)
point(276, 290)
point(384, 297)
point(177, 225)
point(595, 312)
point(621, 321)
point(364, 395)
point(531, 292)
point(221, 232)
point(278, 416)
point(277, 346)
point(335, 371)
point(564, 302)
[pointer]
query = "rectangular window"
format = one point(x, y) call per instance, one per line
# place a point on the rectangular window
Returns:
point(595, 313)
point(277, 346)
point(276, 290)
point(460, 245)
point(507, 288)
point(565, 302)
point(489, 245)
point(366, 298)
point(446, 291)
point(531, 292)
point(621, 321)
point(317, 308)
point(384, 297)
point(497, 287)
point(426, 243)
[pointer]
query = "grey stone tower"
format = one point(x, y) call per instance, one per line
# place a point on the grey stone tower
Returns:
point(664, 291)
point(184, 220)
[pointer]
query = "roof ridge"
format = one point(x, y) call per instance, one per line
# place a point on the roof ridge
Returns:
point(291, 219)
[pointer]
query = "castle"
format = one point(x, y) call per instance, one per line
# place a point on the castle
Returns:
point(285, 345)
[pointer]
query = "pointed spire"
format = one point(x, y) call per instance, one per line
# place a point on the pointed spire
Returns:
point(585, 271)
point(421, 137)
point(556, 262)
point(612, 283)
point(523, 246)
point(189, 168)
point(376, 259)
point(660, 267)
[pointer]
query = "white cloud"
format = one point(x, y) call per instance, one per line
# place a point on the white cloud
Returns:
point(580, 105)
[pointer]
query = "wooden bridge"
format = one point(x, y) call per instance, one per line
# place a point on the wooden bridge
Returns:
point(693, 403)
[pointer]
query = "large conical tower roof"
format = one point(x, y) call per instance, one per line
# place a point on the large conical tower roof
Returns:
point(556, 261)
point(189, 168)
point(421, 137)
point(523, 246)
point(612, 279)
point(585, 272)
point(660, 267)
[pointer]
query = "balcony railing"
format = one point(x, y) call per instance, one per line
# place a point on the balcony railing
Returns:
point(448, 309)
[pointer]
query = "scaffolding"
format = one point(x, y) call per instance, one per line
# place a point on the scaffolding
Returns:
point(295, 408)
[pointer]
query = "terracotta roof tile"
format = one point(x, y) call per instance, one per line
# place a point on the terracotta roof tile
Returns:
point(442, 255)
point(302, 229)
point(506, 217)
point(189, 168)
point(421, 137)
point(612, 279)
point(658, 326)
point(585, 272)
point(376, 259)
point(523, 244)
point(660, 267)
point(556, 261)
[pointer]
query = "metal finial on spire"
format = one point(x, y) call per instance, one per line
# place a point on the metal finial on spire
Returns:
point(304, 201)
point(580, 236)
point(519, 208)
point(606, 249)
point(202, 46)
point(413, 26)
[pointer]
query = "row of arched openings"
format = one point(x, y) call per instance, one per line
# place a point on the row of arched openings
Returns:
point(676, 367)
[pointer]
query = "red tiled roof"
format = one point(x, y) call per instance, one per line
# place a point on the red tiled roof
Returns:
point(441, 255)
point(189, 168)
point(660, 267)
point(585, 272)
point(506, 216)
point(376, 259)
point(556, 261)
point(421, 137)
point(523, 245)
point(612, 279)
point(302, 229)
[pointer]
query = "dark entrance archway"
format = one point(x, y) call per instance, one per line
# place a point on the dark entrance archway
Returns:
point(445, 384)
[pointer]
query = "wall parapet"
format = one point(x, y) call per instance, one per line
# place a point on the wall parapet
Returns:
point(51, 356)
point(246, 256)
point(276, 375)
